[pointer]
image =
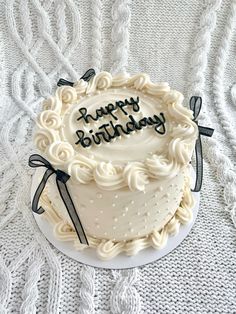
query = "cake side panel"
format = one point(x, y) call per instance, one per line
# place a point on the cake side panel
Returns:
point(122, 214)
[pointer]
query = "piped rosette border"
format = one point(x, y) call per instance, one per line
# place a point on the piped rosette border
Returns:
point(108, 176)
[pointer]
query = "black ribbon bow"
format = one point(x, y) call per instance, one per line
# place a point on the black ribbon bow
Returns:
point(86, 77)
point(36, 161)
point(196, 105)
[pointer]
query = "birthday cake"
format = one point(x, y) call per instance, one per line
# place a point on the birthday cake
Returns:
point(126, 144)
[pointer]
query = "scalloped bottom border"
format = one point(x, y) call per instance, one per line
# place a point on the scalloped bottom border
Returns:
point(155, 244)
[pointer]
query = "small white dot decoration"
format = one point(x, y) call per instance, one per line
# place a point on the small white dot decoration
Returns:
point(130, 223)
point(126, 208)
point(113, 205)
point(115, 219)
point(99, 195)
point(131, 230)
point(132, 202)
point(101, 211)
point(116, 196)
point(91, 201)
point(114, 227)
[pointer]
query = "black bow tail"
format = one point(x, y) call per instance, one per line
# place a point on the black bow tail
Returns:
point(61, 179)
point(195, 106)
point(86, 77)
point(36, 161)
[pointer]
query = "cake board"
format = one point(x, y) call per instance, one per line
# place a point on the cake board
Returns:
point(89, 256)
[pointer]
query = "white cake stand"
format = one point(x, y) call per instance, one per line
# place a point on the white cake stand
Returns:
point(89, 256)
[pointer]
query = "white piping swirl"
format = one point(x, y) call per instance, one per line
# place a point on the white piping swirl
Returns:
point(182, 133)
point(49, 119)
point(52, 103)
point(60, 153)
point(161, 167)
point(81, 169)
point(43, 138)
point(108, 177)
point(136, 176)
point(67, 94)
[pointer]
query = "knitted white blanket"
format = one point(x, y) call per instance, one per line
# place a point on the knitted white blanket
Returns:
point(191, 44)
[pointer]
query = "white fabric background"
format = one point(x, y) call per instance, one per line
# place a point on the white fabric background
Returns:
point(191, 44)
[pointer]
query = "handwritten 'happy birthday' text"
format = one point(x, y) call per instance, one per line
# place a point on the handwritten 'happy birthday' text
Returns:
point(108, 131)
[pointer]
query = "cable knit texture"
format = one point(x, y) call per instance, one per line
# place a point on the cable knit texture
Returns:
point(87, 290)
point(190, 44)
point(120, 35)
point(96, 36)
point(196, 88)
point(30, 290)
point(218, 84)
point(124, 297)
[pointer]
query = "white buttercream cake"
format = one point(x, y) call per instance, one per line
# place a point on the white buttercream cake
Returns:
point(126, 144)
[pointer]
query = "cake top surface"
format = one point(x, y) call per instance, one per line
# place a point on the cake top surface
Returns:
point(119, 131)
